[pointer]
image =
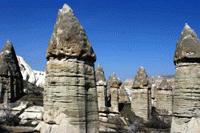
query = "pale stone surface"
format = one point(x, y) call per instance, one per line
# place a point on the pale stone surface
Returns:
point(32, 115)
point(187, 88)
point(70, 86)
point(163, 96)
point(141, 79)
point(61, 125)
point(113, 123)
point(101, 88)
point(114, 84)
point(141, 101)
point(190, 127)
point(123, 95)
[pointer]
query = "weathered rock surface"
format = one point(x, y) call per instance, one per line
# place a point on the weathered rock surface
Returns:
point(11, 82)
point(114, 84)
point(101, 88)
point(70, 87)
point(187, 88)
point(33, 83)
point(123, 96)
point(190, 127)
point(29, 75)
point(161, 107)
point(69, 39)
point(188, 46)
point(113, 123)
point(140, 102)
point(141, 79)
point(163, 96)
point(26, 110)
point(31, 116)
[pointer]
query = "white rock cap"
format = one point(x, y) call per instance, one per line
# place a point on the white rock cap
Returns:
point(187, 26)
point(189, 32)
point(65, 9)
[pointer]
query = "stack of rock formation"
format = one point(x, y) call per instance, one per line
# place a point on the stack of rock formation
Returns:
point(124, 101)
point(162, 107)
point(113, 93)
point(109, 99)
point(141, 102)
point(123, 96)
point(101, 89)
point(186, 105)
point(70, 95)
point(11, 81)
point(163, 95)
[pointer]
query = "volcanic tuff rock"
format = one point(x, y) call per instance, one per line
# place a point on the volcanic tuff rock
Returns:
point(140, 103)
point(109, 116)
point(141, 79)
point(187, 88)
point(188, 46)
point(114, 84)
point(70, 88)
point(11, 83)
point(123, 96)
point(69, 39)
point(101, 88)
point(162, 103)
point(100, 76)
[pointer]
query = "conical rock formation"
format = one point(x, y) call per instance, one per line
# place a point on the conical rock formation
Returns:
point(141, 79)
point(187, 88)
point(11, 83)
point(101, 88)
point(114, 84)
point(69, 39)
point(70, 88)
point(188, 46)
point(140, 103)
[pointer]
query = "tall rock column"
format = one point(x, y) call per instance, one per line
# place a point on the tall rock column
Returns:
point(186, 105)
point(101, 88)
point(113, 86)
point(140, 103)
point(163, 95)
point(11, 81)
point(70, 95)
point(161, 112)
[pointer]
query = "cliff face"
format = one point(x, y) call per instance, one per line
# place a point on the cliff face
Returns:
point(187, 89)
point(70, 95)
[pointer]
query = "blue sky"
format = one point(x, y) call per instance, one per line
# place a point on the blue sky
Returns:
point(125, 34)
